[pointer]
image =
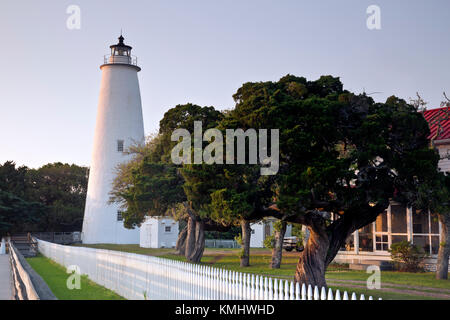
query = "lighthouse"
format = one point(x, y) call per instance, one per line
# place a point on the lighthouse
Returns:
point(119, 124)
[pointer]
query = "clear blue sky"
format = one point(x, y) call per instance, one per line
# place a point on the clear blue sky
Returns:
point(201, 51)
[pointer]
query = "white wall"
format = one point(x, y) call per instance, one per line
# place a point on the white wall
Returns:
point(153, 233)
point(444, 152)
point(119, 117)
point(257, 237)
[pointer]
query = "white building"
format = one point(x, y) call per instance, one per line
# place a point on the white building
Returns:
point(263, 229)
point(158, 232)
point(399, 223)
point(119, 124)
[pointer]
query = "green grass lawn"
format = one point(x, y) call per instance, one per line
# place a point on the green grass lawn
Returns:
point(404, 285)
point(55, 276)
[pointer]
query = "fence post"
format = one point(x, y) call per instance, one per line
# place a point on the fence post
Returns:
point(323, 294)
point(338, 295)
point(241, 286)
point(271, 290)
point(304, 292)
point(255, 289)
point(286, 290)
point(316, 293)
point(291, 293)
point(275, 289)
point(310, 292)
point(261, 288)
point(330, 294)
point(266, 291)
point(345, 296)
point(280, 294)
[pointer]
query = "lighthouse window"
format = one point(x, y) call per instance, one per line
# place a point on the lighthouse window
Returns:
point(168, 229)
point(120, 145)
point(119, 216)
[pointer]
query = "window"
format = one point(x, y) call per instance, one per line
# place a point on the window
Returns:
point(400, 238)
point(366, 238)
point(168, 228)
point(423, 242)
point(381, 223)
point(119, 216)
point(381, 242)
point(120, 145)
point(434, 223)
point(426, 231)
point(398, 219)
point(253, 231)
point(420, 222)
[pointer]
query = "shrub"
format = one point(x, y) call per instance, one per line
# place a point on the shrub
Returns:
point(407, 257)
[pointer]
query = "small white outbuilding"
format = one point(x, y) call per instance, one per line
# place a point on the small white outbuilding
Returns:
point(263, 229)
point(158, 232)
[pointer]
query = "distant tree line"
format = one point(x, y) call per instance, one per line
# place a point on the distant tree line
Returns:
point(50, 198)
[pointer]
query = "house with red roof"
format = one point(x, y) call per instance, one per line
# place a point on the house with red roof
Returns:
point(439, 122)
point(369, 245)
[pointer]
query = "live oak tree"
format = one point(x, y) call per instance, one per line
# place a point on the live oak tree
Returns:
point(230, 193)
point(343, 157)
point(437, 197)
point(152, 185)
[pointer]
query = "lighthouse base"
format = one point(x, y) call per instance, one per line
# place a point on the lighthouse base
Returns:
point(103, 224)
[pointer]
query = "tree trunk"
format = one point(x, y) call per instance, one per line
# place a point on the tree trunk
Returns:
point(246, 234)
point(312, 263)
point(199, 246)
point(180, 247)
point(444, 248)
point(190, 237)
point(277, 251)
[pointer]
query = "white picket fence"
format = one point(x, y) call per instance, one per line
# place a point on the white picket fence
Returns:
point(136, 276)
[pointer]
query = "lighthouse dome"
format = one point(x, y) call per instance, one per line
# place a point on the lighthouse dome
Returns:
point(120, 54)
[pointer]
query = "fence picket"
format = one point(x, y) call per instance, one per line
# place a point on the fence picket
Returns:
point(143, 277)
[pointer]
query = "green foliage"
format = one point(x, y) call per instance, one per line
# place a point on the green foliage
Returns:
point(50, 198)
point(150, 184)
point(15, 213)
point(227, 235)
point(238, 239)
point(407, 256)
point(297, 232)
point(269, 242)
point(62, 189)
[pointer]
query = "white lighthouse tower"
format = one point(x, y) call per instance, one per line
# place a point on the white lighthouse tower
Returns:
point(119, 124)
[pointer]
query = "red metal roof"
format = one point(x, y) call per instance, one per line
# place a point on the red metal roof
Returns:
point(439, 123)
